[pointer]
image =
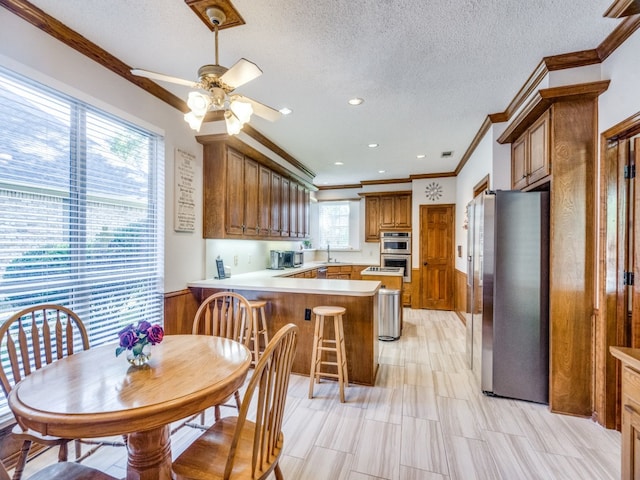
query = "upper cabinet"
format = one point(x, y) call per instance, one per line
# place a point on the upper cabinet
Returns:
point(530, 154)
point(386, 211)
point(248, 197)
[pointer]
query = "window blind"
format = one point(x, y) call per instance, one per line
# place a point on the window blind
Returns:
point(81, 216)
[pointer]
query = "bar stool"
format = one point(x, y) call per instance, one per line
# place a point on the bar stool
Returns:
point(336, 345)
point(256, 328)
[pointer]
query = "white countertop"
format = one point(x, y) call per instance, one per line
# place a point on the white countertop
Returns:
point(272, 281)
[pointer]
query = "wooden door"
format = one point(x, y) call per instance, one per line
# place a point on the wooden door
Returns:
point(619, 320)
point(436, 256)
point(251, 194)
point(235, 193)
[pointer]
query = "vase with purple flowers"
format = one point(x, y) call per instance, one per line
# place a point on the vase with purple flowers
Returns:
point(137, 340)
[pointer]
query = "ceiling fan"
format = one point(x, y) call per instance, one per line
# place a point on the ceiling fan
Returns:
point(215, 87)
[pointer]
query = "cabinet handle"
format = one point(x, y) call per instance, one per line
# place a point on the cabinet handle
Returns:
point(425, 264)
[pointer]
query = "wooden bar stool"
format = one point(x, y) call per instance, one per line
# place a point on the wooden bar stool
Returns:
point(336, 345)
point(256, 329)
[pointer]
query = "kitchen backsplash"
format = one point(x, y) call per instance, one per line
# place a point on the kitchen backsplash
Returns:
point(244, 256)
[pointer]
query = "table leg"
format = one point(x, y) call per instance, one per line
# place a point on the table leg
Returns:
point(149, 455)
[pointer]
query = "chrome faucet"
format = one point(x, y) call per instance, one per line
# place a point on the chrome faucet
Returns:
point(328, 253)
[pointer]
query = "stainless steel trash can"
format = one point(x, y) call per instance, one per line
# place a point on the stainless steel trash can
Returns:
point(389, 314)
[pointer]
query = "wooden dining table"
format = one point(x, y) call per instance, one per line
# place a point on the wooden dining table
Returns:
point(94, 394)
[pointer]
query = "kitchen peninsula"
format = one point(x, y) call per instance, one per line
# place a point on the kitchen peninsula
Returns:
point(290, 300)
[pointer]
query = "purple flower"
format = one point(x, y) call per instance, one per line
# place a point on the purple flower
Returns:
point(128, 338)
point(143, 326)
point(155, 334)
point(135, 338)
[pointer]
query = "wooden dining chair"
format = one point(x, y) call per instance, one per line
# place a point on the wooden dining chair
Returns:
point(29, 340)
point(221, 315)
point(63, 471)
point(236, 448)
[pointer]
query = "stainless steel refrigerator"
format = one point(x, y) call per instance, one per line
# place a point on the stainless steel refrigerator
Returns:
point(508, 276)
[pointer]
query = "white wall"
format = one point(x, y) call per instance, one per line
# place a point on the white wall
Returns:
point(30, 52)
point(622, 99)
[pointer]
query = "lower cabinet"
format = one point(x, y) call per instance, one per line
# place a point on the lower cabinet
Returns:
point(630, 406)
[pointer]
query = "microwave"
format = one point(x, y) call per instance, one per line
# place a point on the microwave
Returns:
point(395, 242)
point(292, 258)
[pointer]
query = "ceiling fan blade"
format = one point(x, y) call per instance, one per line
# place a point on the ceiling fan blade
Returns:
point(261, 109)
point(243, 71)
point(165, 78)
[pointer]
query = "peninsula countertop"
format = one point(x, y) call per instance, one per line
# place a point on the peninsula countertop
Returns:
point(274, 281)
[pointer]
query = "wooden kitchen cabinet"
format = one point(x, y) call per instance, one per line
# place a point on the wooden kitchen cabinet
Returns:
point(251, 196)
point(372, 219)
point(285, 208)
point(560, 124)
point(275, 215)
point(630, 403)
point(247, 198)
point(386, 211)
point(406, 294)
point(530, 156)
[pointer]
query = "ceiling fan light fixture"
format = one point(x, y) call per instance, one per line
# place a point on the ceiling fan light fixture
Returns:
point(233, 124)
point(199, 103)
point(194, 121)
point(241, 110)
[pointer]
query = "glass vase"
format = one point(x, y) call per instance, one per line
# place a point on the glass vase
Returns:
point(139, 359)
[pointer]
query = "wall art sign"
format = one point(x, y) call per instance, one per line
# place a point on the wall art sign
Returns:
point(183, 192)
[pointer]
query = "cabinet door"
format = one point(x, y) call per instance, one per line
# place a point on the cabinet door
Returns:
point(372, 219)
point(518, 163)
point(301, 219)
point(251, 195)
point(387, 212)
point(402, 211)
point(293, 209)
point(235, 193)
point(264, 201)
point(307, 203)
point(539, 148)
point(285, 208)
point(276, 207)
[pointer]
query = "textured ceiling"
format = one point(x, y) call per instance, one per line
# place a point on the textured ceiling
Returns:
point(429, 71)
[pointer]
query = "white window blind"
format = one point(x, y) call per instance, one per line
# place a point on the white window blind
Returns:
point(81, 220)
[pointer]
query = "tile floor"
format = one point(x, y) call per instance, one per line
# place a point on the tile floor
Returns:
point(425, 419)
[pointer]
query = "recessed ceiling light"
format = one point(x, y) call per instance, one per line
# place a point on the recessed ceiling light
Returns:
point(422, 155)
point(356, 101)
point(381, 171)
point(285, 111)
point(373, 145)
point(338, 163)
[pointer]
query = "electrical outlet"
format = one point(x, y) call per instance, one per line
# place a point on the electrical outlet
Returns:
point(235, 260)
point(307, 314)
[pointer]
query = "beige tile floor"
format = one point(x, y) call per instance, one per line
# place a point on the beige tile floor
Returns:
point(424, 420)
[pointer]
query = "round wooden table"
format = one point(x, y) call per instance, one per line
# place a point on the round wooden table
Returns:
point(94, 394)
